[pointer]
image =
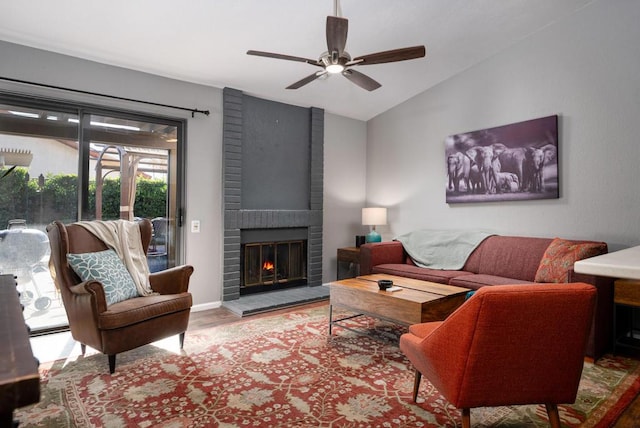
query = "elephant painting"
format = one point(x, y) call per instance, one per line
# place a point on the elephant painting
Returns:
point(514, 162)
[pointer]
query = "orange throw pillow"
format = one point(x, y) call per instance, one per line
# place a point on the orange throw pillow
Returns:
point(560, 256)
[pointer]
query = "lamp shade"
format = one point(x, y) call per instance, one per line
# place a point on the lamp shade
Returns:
point(374, 216)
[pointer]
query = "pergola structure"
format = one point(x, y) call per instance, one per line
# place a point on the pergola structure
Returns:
point(129, 163)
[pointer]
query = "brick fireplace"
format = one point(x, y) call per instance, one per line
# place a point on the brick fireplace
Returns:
point(273, 178)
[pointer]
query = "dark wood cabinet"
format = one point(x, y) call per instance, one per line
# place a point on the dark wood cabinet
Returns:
point(19, 377)
point(348, 262)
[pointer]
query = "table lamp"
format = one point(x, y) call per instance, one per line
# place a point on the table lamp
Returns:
point(374, 217)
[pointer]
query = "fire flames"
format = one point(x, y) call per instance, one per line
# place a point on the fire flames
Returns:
point(267, 265)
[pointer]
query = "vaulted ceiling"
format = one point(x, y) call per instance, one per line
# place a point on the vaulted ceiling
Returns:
point(205, 41)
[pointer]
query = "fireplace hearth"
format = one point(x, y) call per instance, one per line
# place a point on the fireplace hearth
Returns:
point(272, 265)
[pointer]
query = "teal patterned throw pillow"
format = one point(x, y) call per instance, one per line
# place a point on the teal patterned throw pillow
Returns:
point(106, 267)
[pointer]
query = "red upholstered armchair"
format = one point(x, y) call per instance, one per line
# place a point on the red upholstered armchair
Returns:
point(507, 345)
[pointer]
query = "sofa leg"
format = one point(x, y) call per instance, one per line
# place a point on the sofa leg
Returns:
point(112, 363)
point(554, 416)
point(416, 385)
point(83, 348)
point(182, 339)
point(466, 418)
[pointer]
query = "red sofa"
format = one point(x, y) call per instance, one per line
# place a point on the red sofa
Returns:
point(502, 260)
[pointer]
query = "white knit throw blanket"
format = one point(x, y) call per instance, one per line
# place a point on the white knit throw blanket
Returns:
point(124, 238)
point(441, 249)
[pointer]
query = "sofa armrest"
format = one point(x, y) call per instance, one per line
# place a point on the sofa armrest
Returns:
point(380, 253)
point(601, 337)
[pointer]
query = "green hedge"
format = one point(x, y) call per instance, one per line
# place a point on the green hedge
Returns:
point(22, 197)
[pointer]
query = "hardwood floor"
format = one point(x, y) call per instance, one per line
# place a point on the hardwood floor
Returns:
point(221, 316)
point(631, 416)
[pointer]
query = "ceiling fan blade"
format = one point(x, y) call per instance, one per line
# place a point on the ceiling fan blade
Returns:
point(361, 80)
point(310, 78)
point(285, 57)
point(337, 28)
point(390, 56)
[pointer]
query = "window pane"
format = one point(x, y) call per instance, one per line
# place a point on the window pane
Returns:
point(130, 177)
point(40, 149)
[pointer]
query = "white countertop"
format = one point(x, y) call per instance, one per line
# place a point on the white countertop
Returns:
point(618, 264)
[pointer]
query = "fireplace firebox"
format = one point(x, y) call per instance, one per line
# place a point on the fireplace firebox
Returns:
point(272, 265)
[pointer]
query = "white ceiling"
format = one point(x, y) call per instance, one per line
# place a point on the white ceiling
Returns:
point(205, 41)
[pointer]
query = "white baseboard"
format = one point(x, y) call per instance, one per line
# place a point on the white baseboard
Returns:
point(206, 306)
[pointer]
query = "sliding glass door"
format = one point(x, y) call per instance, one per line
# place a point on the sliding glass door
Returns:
point(68, 163)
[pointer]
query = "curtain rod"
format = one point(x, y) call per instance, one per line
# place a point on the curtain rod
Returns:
point(79, 91)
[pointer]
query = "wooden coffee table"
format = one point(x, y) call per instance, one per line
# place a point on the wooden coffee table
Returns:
point(416, 302)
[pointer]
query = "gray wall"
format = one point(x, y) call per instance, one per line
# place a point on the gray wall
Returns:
point(344, 186)
point(204, 150)
point(586, 69)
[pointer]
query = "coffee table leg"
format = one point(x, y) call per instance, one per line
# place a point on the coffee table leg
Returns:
point(330, 318)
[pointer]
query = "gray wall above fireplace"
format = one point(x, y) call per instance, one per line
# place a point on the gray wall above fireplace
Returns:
point(284, 191)
point(275, 155)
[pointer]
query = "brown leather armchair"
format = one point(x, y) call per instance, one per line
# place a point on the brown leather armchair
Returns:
point(124, 325)
point(506, 345)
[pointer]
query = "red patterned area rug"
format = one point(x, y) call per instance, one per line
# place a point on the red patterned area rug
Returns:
point(284, 371)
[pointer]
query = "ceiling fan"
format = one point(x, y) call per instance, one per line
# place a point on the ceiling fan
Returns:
point(337, 60)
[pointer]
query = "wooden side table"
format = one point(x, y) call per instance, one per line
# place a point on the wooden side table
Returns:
point(627, 294)
point(348, 262)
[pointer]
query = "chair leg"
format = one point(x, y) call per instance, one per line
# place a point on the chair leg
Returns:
point(416, 385)
point(83, 348)
point(112, 363)
point(182, 339)
point(466, 418)
point(554, 416)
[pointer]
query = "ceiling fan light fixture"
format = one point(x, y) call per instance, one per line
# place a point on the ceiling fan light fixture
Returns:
point(334, 68)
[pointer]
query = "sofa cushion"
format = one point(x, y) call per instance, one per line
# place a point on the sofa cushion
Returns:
point(561, 255)
point(416, 272)
point(512, 256)
point(106, 267)
point(475, 282)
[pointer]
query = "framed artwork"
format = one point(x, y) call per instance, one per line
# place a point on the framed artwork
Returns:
point(507, 163)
